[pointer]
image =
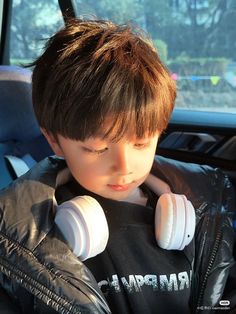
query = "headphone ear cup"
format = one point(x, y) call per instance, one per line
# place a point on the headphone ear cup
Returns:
point(84, 226)
point(174, 221)
point(190, 222)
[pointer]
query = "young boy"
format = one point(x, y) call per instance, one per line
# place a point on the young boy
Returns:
point(102, 98)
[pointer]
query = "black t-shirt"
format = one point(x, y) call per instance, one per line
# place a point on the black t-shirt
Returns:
point(134, 274)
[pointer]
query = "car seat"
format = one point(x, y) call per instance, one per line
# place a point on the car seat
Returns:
point(21, 141)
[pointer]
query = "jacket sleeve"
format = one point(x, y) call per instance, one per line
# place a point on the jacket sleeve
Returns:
point(6, 304)
point(230, 288)
point(213, 198)
point(51, 274)
point(214, 240)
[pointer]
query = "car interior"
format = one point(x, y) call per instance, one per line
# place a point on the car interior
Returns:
point(198, 136)
point(203, 137)
point(21, 142)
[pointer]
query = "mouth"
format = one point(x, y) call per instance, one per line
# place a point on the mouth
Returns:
point(119, 188)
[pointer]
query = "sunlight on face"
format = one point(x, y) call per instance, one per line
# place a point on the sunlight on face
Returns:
point(112, 170)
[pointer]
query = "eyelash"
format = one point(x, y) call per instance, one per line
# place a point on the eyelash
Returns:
point(143, 145)
point(101, 151)
point(98, 152)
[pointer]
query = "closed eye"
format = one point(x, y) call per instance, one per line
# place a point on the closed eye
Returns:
point(141, 145)
point(95, 151)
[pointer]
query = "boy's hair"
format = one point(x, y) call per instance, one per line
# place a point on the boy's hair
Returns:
point(96, 78)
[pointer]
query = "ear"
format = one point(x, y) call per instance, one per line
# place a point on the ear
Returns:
point(53, 142)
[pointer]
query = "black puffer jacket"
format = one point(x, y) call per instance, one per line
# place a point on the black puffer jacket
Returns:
point(40, 274)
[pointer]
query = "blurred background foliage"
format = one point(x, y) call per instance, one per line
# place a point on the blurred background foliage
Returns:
point(193, 37)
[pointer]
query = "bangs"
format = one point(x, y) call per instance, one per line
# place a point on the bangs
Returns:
point(126, 124)
point(125, 106)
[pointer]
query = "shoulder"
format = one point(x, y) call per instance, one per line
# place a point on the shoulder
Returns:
point(24, 201)
point(30, 240)
point(206, 187)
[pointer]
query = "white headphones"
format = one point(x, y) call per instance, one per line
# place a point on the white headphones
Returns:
point(84, 226)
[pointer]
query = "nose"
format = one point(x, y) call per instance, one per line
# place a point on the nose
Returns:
point(122, 162)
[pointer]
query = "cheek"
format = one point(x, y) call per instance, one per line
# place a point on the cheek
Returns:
point(147, 165)
point(86, 173)
point(146, 160)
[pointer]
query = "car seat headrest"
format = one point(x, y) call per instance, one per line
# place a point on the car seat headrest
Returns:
point(17, 119)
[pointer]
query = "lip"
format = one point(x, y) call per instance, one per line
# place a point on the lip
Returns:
point(119, 188)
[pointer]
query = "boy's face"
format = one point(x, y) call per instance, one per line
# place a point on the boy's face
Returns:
point(112, 170)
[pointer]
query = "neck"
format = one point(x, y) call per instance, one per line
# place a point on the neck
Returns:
point(136, 197)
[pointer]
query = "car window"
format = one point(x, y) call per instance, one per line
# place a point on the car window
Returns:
point(194, 38)
point(32, 22)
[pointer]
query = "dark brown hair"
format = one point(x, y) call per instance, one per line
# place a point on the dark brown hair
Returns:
point(95, 71)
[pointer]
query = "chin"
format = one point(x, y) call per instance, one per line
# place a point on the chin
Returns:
point(118, 196)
